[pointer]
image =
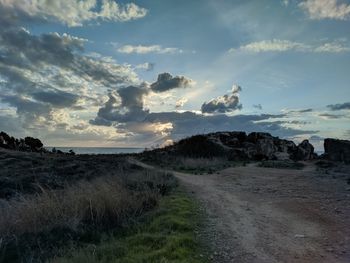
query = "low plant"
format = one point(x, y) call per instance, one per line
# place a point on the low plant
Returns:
point(164, 235)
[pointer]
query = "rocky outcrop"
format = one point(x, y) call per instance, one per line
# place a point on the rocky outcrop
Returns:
point(337, 150)
point(304, 151)
point(240, 146)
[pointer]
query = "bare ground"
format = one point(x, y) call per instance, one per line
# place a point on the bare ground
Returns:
point(257, 214)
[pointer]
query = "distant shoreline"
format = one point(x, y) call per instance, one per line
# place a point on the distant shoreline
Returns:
point(98, 150)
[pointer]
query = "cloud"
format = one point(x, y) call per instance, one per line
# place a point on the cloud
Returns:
point(166, 82)
point(271, 45)
point(278, 45)
point(285, 2)
point(223, 104)
point(69, 12)
point(333, 47)
point(339, 106)
point(325, 9)
point(331, 116)
point(257, 106)
point(139, 49)
point(300, 111)
point(189, 123)
point(57, 98)
point(46, 78)
point(180, 103)
point(126, 105)
point(146, 66)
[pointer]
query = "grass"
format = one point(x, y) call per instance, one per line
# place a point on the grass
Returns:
point(188, 164)
point(36, 227)
point(167, 234)
point(282, 165)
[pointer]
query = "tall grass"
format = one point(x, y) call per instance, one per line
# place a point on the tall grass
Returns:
point(167, 234)
point(103, 203)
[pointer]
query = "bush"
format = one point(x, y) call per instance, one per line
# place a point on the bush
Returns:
point(199, 146)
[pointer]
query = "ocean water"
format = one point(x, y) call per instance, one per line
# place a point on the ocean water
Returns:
point(97, 150)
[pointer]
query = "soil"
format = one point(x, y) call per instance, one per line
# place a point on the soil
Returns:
point(257, 214)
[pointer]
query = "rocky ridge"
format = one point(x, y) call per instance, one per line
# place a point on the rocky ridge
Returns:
point(242, 146)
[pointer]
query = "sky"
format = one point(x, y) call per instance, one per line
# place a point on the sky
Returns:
point(112, 73)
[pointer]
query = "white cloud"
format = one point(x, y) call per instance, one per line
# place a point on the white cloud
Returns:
point(146, 66)
point(140, 49)
point(181, 102)
point(285, 2)
point(73, 12)
point(334, 47)
point(271, 45)
point(278, 45)
point(326, 9)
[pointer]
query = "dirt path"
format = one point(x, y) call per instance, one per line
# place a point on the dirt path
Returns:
point(273, 215)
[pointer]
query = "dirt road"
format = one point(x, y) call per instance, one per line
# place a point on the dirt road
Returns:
point(274, 215)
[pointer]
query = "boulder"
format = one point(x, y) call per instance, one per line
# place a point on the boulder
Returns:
point(266, 148)
point(232, 139)
point(255, 136)
point(337, 150)
point(304, 151)
point(249, 150)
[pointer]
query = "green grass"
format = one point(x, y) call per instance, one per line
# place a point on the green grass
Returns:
point(164, 235)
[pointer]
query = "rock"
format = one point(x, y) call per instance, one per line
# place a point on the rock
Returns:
point(304, 151)
point(256, 136)
point(266, 148)
point(238, 146)
point(337, 150)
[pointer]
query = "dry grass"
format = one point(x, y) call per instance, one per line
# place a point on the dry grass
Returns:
point(198, 165)
point(101, 201)
point(55, 217)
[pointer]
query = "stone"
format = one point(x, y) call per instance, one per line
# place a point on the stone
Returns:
point(266, 148)
point(304, 151)
point(337, 150)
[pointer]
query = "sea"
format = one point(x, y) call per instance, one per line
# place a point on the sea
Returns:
point(97, 150)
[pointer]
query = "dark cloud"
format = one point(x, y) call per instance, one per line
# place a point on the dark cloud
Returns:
point(257, 106)
point(125, 106)
point(223, 104)
point(167, 82)
point(340, 106)
point(301, 111)
point(11, 125)
point(331, 116)
point(42, 73)
point(22, 49)
point(25, 106)
point(59, 99)
point(189, 123)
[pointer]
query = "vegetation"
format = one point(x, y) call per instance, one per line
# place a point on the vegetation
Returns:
point(36, 227)
point(164, 235)
point(199, 146)
point(282, 164)
point(187, 164)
